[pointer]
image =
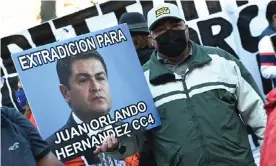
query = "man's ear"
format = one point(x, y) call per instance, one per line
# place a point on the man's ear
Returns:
point(274, 17)
point(187, 33)
point(65, 92)
point(151, 40)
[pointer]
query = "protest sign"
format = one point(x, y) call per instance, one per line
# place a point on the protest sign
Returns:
point(85, 88)
point(233, 26)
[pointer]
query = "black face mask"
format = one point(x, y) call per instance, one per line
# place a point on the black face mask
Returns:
point(172, 43)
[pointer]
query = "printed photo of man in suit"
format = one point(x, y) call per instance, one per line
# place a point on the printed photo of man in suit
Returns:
point(84, 86)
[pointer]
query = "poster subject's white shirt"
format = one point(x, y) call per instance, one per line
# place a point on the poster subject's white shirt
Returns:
point(91, 132)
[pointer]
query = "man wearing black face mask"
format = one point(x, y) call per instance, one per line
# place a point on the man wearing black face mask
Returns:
point(170, 36)
point(205, 98)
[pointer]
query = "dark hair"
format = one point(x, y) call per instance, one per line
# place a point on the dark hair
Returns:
point(270, 10)
point(141, 41)
point(63, 66)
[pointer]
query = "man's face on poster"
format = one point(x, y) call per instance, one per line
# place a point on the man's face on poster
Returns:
point(88, 90)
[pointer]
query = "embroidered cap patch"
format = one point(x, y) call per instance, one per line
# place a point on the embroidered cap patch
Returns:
point(161, 11)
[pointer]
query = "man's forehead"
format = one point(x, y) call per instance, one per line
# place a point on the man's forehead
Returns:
point(91, 65)
point(86, 62)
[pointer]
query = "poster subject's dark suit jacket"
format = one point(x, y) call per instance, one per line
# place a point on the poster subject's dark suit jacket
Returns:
point(88, 154)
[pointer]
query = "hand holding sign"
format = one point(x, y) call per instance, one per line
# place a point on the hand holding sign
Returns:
point(110, 144)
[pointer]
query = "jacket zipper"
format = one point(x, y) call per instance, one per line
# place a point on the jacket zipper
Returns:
point(184, 77)
point(192, 113)
point(185, 85)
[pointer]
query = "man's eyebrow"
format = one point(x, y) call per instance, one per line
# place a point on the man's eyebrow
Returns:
point(100, 73)
point(82, 75)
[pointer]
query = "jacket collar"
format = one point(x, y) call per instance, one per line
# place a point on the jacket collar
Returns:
point(272, 27)
point(71, 121)
point(159, 74)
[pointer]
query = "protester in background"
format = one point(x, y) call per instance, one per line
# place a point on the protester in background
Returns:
point(23, 103)
point(266, 52)
point(138, 28)
point(137, 25)
point(21, 143)
point(268, 152)
point(201, 94)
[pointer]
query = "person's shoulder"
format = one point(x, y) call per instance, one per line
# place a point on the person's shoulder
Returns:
point(8, 111)
point(218, 55)
point(146, 65)
point(214, 50)
point(11, 113)
point(267, 32)
point(265, 44)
